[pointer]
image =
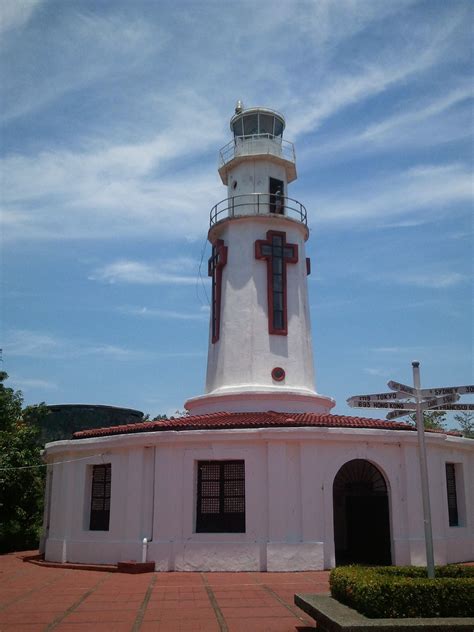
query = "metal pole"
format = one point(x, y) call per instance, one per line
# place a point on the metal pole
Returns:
point(425, 492)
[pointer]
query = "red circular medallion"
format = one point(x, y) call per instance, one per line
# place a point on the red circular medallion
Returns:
point(278, 374)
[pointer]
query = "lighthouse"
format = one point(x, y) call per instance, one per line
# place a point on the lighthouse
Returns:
point(260, 476)
point(260, 355)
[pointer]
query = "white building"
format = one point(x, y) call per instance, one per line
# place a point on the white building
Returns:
point(259, 475)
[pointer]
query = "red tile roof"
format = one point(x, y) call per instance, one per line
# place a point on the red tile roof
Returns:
point(227, 421)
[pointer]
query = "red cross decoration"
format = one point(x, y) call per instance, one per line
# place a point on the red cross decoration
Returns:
point(216, 262)
point(277, 254)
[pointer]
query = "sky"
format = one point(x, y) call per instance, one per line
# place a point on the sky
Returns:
point(111, 120)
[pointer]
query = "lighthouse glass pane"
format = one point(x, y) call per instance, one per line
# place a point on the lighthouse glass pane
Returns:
point(250, 125)
point(221, 497)
point(266, 124)
point(238, 127)
point(278, 127)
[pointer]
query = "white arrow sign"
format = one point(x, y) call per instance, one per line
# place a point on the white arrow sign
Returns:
point(448, 390)
point(436, 402)
point(393, 414)
point(456, 407)
point(362, 403)
point(397, 386)
point(376, 397)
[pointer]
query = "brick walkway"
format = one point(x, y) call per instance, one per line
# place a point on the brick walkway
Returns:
point(34, 598)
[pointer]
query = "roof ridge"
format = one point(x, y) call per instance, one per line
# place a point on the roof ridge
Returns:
point(247, 419)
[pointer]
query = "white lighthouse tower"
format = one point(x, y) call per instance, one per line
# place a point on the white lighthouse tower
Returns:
point(260, 354)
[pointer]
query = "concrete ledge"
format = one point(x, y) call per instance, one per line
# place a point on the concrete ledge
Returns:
point(332, 616)
point(38, 560)
point(134, 568)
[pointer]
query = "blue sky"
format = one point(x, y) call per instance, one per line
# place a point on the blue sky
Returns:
point(112, 117)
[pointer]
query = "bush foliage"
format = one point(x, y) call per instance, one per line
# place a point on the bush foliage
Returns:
point(21, 471)
point(405, 591)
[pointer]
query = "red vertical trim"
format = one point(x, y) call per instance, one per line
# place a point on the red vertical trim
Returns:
point(283, 331)
point(215, 271)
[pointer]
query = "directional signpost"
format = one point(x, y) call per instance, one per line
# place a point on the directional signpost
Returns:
point(424, 399)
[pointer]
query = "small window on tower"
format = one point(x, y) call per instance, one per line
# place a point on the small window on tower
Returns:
point(216, 262)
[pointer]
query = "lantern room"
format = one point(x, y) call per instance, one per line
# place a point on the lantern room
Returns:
point(256, 122)
point(258, 132)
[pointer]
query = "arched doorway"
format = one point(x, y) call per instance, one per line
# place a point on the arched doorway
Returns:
point(361, 515)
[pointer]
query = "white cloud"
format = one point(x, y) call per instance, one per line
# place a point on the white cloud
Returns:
point(416, 114)
point(126, 271)
point(378, 372)
point(434, 280)
point(162, 184)
point(23, 383)
point(22, 342)
point(33, 344)
point(423, 191)
point(16, 13)
point(117, 190)
point(154, 312)
point(366, 72)
point(88, 47)
point(398, 350)
point(420, 121)
point(427, 276)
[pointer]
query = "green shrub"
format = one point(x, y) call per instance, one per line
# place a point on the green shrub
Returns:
point(392, 592)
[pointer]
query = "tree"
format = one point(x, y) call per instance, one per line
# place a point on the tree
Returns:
point(21, 471)
point(432, 419)
point(466, 421)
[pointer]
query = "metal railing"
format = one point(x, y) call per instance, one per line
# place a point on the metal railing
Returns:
point(258, 204)
point(257, 144)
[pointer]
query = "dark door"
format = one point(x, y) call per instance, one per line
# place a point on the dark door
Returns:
point(367, 530)
point(276, 195)
point(361, 515)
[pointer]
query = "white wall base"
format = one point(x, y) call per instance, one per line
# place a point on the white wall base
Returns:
point(301, 556)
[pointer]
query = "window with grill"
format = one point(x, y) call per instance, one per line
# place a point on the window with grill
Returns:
point(452, 495)
point(100, 497)
point(221, 497)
